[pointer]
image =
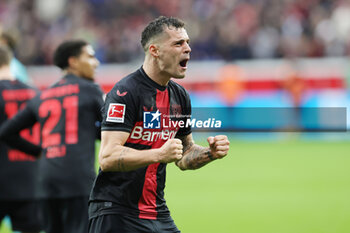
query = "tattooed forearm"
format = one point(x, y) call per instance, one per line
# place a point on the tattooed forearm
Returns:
point(195, 157)
point(210, 155)
point(120, 164)
point(120, 161)
point(187, 146)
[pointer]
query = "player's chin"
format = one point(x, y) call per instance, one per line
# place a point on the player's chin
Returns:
point(179, 75)
point(90, 76)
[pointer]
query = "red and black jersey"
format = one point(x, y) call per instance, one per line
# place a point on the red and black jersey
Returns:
point(67, 113)
point(142, 107)
point(18, 171)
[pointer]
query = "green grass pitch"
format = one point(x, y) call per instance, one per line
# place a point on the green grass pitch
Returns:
point(264, 187)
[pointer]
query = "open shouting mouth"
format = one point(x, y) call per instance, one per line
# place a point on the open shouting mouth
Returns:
point(183, 63)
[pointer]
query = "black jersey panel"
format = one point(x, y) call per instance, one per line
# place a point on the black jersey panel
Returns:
point(67, 112)
point(18, 171)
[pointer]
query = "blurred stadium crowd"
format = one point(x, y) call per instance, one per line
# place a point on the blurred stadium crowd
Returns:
point(219, 29)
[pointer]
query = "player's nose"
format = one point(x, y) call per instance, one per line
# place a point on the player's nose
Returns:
point(187, 48)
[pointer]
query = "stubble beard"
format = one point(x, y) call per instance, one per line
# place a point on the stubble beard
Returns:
point(179, 76)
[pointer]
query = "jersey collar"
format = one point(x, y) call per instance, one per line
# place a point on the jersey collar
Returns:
point(150, 81)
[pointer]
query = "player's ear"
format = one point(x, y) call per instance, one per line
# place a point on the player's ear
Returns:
point(72, 62)
point(153, 50)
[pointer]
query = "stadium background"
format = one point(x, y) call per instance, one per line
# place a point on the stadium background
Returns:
point(267, 53)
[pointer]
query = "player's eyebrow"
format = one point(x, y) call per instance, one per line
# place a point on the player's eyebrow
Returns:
point(181, 41)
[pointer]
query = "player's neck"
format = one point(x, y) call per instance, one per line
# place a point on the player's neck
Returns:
point(5, 73)
point(154, 73)
point(71, 71)
point(74, 72)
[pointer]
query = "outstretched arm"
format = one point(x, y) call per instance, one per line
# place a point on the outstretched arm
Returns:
point(195, 156)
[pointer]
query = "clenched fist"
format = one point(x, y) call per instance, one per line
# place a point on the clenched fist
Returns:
point(171, 151)
point(219, 146)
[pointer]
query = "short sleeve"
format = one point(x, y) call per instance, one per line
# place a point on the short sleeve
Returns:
point(119, 111)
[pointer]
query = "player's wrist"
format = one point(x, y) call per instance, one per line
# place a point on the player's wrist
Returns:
point(210, 156)
point(157, 155)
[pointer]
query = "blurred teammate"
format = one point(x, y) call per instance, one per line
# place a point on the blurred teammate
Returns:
point(17, 170)
point(17, 68)
point(128, 193)
point(67, 112)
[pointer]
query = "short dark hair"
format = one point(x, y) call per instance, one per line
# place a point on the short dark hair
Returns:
point(156, 27)
point(9, 39)
point(67, 49)
point(5, 55)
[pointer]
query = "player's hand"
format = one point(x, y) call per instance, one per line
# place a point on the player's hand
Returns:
point(171, 151)
point(219, 146)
